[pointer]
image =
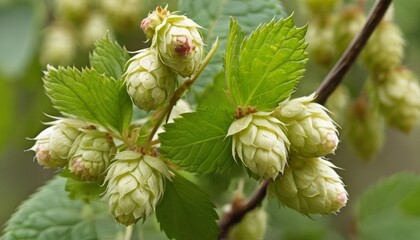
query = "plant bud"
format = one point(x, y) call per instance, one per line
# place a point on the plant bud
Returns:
point(311, 131)
point(91, 154)
point(397, 94)
point(385, 48)
point(149, 82)
point(53, 144)
point(135, 186)
point(179, 44)
point(310, 186)
point(321, 42)
point(149, 24)
point(321, 8)
point(260, 143)
point(365, 129)
point(349, 22)
point(59, 45)
point(252, 227)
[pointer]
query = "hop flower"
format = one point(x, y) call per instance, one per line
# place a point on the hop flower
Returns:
point(397, 94)
point(53, 144)
point(179, 44)
point(321, 7)
point(385, 48)
point(90, 154)
point(59, 45)
point(310, 186)
point(260, 143)
point(149, 24)
point(347, 25)
point(251, 227)
point(338, 103)
point(149, 82)
point(311, 131)
point(135, 186)
point(321, 42)
point(365, 129)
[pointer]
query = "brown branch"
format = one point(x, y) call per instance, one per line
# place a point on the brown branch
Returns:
point(327, 87)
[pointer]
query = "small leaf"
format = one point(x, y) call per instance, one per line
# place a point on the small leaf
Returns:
point(214, 16)
point(197, 142)
point(109, 58)
point(82, 190)
point(386, 211)
point(271, 62)
point(186, 213)
point(50, 214)
point(90, 96)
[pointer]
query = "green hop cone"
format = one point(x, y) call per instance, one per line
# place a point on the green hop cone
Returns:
point(259, 141)
point(59, 46)
point(348, 23)
point(310, 186)
point(385, 48)
point(53, 145)
point(149, 24)
point(91, 154)
point(252, 227)
point(312, 133)
point(135, 186)
point(150, 83)
point(365, 129)
point(321, 42)
point(397, 94)
point(321, 8)
point(338, 102)
point(179, 44)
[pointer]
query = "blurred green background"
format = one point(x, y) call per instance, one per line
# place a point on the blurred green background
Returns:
point(23, 104)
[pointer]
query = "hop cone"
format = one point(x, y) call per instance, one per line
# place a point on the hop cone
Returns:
point(385, 48)
point(135, 186)
point(348, 23)
point(149, 82)
point(252, 227)
point(311, 131)
point(53, 144)
point(179, 44)
point(90, 154)
point(397, 93)
point(310, 186)
point(338, 103)
point(365, 129)
point(321, 42)
point(321, 8)
point(260, 143)
point(154, 19)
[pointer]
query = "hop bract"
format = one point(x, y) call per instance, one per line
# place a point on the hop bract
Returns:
point(149, 24)
point(259, 141)
point(311, 131)
point(179, 44)
point(397, 93)
point(149, 82)
point(135, 186)
point(310, 186)
point(91, 154)
point(252, 227)
point(53, 144)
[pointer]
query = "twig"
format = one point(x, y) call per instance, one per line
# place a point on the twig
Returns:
point(327, 87)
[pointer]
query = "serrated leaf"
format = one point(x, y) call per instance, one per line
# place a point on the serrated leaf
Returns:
point(197, 142)
point(385, 211)
point(90, 96)
point(186, 213)
point(215, 95)
point(49, 214)
point(109, 58)
point(271, 62)
point(214, 17)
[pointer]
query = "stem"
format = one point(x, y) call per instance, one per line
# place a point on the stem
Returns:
point(327, 87)
point(186, 85)
point(337, 73)
point(128, 232)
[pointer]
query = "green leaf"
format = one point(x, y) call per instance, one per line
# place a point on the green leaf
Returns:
point(186, 213)
point(214, 16)
point(215, 95)
point(271, 62)
point(197, 142)
point(109, 58)
point(390, 210)
point(50, 214)
point(86, 191)
point(90, 96)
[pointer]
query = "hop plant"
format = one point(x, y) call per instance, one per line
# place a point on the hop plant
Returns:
point(397, 94)
point(252, 227)
point(177, 41)
point(135, 186)
point(261, 144)
point(59, 45)
point(90, 154)
point(321, 42)
point(365, 129)
point(385, 48)
point(338, 103)
point(321, 7)
point(311, 131)
point(348, 23)
point(53, 144)
point(310, 186)
point(149, 82)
